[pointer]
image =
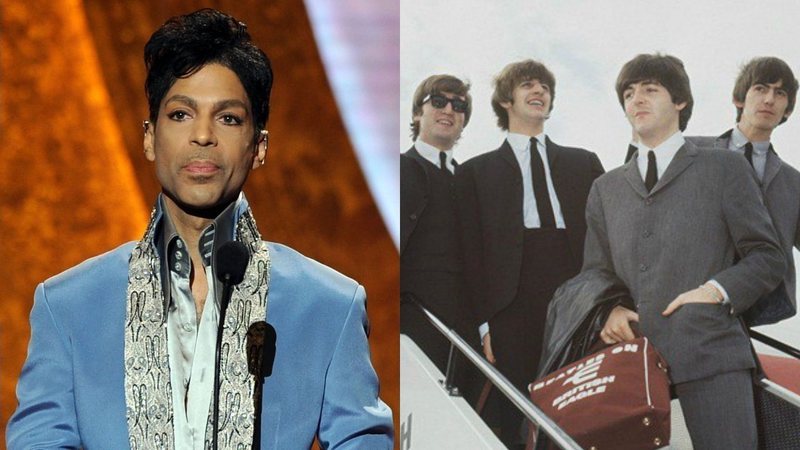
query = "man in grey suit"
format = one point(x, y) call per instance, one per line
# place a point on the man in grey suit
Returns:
point(764, 95)
point(668, 225)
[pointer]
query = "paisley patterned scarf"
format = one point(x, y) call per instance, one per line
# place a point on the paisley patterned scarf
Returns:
point(148, 391)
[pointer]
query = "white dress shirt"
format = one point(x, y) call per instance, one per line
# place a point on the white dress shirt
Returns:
point(521, 144)
point(664, 154)
point(431, 153)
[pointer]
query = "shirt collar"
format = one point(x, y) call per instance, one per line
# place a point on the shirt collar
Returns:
point(220, 231)
point(520, 142)
point(738, 139)
point(664, 152)
point(431, 153)
point(224, 226)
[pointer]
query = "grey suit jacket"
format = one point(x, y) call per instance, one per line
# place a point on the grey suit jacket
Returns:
point(704, 209)
point(781, 193)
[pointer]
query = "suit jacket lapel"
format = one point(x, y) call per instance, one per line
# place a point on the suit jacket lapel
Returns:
point(554, 160)
point(414, 153)
point(634, 177)
point(682, 159)
point(772, 168)
point(507, 153)
point(552, 154)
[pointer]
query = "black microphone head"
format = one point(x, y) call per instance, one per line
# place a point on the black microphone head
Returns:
point(231, 261)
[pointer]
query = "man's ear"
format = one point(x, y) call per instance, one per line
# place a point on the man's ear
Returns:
point(680, 106)
point(149, 141)
point(260, 153)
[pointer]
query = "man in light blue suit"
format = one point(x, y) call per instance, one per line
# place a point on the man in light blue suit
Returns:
point(122, 350)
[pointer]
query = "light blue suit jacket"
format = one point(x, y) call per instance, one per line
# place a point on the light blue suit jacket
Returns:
point(71, 390)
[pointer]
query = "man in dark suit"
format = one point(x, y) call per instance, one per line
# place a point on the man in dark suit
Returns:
point(430, 259)
point(764, 95)
point(668, 225)
point(522, 220)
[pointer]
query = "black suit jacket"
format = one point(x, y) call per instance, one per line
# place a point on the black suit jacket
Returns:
point(438, 289)
point(414, 192)
point(490, 192)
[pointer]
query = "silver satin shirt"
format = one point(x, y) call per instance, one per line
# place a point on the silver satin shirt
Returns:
point(191, 341)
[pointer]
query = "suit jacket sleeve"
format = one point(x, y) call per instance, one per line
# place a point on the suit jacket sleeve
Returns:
point(763, 265)
point(353, 417)
point(45, 416)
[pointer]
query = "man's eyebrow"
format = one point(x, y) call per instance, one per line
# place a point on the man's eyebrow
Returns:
point(182, 99)
point(230, 103)
point(221, 104)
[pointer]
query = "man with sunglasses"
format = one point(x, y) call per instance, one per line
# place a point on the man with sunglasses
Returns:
point(430, 265)
point(522, 218)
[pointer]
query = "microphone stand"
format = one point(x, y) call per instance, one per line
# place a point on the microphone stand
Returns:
point(230, 266)
point(227, 290)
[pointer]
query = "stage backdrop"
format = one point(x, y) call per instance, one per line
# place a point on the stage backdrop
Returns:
point(74, 181)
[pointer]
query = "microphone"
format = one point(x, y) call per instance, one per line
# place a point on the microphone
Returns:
point(261, 339)
point(230, 264)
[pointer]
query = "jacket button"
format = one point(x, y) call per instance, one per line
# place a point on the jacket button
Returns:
point(646, 421)
point(413, 217)
point(649, 201)
point(646, 234)
point(642, 268)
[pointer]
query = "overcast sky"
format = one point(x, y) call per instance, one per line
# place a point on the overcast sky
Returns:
point(585, 43)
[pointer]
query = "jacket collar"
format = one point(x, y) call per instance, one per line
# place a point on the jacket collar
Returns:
point(772, 167)
point(682, 160)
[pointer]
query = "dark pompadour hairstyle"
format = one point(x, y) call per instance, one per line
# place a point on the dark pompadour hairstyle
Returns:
point(437, 84)
point(510, 77)
point(667, 71)
point(185, 44)
point(765, 70)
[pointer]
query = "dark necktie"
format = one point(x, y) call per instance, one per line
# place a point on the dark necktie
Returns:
point(748, 152)
point(540, 190)
point(652, 172)
point(443, 161)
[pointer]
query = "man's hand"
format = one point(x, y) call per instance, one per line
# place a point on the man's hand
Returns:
point(617, 327)
point(487, 348)
point(706, 293)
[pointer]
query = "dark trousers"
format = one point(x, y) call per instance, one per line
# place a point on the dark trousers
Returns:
point(719, 411)
point(517, 330)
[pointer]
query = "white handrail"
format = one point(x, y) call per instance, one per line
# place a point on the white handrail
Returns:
point(530, 410)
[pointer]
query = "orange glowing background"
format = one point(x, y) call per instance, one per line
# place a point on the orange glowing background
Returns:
point(74, 181)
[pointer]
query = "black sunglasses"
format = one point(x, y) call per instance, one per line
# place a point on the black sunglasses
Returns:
point(439, 101)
